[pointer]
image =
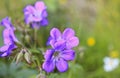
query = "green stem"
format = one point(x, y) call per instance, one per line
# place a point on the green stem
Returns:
point(35, 38)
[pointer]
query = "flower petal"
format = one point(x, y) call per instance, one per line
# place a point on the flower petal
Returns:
point(108, 68)
point(44, 14)
point(12, 46)
point(6, 22)
point(48, 54)
point(48, 66)
point(68, 54)
point(6, 36)
point(13, 36)
point(59, 45)
point(29, 10)
point(62, 65)
point(72, 42)
point(37, 19)
point(39, 5)
point(52, 42)
point(68, 33)
point(44, 22)
point(4, 48)
point(106, 60)
point(55, 33)
point(4, 54)
point(29, 19)
point(48, 41)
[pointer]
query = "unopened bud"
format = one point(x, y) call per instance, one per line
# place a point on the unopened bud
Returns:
point(19, 57)
point(27, 57)
point(41, 76)
point(27, 38)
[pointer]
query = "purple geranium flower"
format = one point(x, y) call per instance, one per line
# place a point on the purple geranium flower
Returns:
point(7, 23)
point(68, 37)
point(9, 44)
point(62, 52)
point(36, 15)
point(9, 38)
point(58, 58)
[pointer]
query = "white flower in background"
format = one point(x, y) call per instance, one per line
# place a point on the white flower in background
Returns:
point(110, 63)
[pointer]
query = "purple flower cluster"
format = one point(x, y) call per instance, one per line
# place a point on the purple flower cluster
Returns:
point(36, 15)
point(62, 43)
point(8, 37)
point(61, 52)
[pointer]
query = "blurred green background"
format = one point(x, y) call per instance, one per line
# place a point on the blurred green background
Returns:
point(96, 23)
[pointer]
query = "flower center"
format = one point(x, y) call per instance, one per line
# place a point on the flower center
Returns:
point(111, 63)
point(37, 14)
point(56, 54)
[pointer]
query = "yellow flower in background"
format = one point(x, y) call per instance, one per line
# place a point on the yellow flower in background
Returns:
point(91, 41)
point(114, 54)
point(62, 2)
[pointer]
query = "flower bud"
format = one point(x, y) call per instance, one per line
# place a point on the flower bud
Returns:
point(27, 56)
point(19, 56)
point(27, 38)
point(41, 76)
